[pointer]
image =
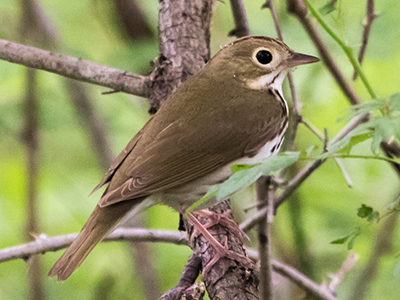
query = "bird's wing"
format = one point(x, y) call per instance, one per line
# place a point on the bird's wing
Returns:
point(121, 158)
point(159, 166)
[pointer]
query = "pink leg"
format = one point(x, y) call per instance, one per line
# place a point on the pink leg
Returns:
point(222, 219)
point(220, 250)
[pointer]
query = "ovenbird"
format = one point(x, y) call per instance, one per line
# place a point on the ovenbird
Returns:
point(230, 112)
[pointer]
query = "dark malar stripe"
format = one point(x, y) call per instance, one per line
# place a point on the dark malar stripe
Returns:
point(284, 117)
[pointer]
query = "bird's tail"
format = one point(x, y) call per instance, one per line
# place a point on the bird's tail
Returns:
point(101, 221)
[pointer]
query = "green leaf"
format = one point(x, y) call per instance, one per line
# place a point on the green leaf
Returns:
point(212, 192)
point(245, 176)
point(364, 211)
point(358, 135)
point(327, 8)
point(367, 212)
point(350, 238)
point(341, 240)
point(373, 216)
point(239, 167)
point(396, 271)
point(395, 102)
point(354, 140)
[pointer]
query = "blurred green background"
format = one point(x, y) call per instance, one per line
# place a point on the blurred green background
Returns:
point(322, 210)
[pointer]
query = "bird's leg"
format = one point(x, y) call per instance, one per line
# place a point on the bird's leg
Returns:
point(221, 251)
point(224, 220)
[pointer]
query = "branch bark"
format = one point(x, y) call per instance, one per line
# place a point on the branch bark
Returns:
point(74, 68)
point(298, 8)
point(264, 199)
point(240, 18)
point(370, 17)
point(45, 244)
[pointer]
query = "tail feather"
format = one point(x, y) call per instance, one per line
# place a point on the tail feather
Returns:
point(101, 221)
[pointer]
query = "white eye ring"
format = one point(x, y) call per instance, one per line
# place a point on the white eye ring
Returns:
point(262, 57)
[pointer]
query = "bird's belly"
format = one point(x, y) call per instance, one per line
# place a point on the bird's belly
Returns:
point(182, 197)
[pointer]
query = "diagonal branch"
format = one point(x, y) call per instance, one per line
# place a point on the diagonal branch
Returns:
point(74, 68)
point(295, 276)
point(298, 8)
point(369, 19)
point(293, 184)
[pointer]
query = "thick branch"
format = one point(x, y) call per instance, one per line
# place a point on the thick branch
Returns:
point(74, 68)
point(184, 45)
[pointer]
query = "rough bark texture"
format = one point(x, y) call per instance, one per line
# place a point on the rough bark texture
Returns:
point(184, 45)
point(227, 279)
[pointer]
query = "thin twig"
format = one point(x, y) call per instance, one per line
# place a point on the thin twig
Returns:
point(301, 280)
point(74, 68)
point(347, 49)
point(313, 129)
point(275, 17)
point(45, 244)
point(346, 175)
point(185, 284)
point(337, 278)
point(240, 18)
point(264, 199)
point(302, 175)
point(382, 246)
point(297, 8)
point(370, 16)
point(296, 117)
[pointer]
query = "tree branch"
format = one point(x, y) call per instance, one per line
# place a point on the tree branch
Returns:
point(74, 68)
point(265, 199)
point(184, 289)
point(296, 277)
point(45, 244)
point(383, 245)
point(249, 223)
point(303, 281)
point(298, 8)
point(370, 17)
point(240, 18)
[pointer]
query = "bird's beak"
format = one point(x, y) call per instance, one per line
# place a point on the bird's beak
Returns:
point(297, 59)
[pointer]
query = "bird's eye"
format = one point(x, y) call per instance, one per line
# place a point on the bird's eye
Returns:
point(264, 57)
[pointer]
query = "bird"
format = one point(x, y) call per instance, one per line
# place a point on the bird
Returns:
point(230, 112)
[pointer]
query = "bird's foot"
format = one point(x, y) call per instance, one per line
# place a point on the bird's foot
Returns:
point(221, 251)
point(222, 219)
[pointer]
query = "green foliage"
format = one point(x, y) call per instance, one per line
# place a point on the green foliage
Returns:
point(396, 271)
point(349, 238)
point(68, 168)
point(245, 175)
point(383, 125)
point(329, 7)
point(367, 212)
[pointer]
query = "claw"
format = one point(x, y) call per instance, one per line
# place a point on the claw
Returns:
point(221, 251)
